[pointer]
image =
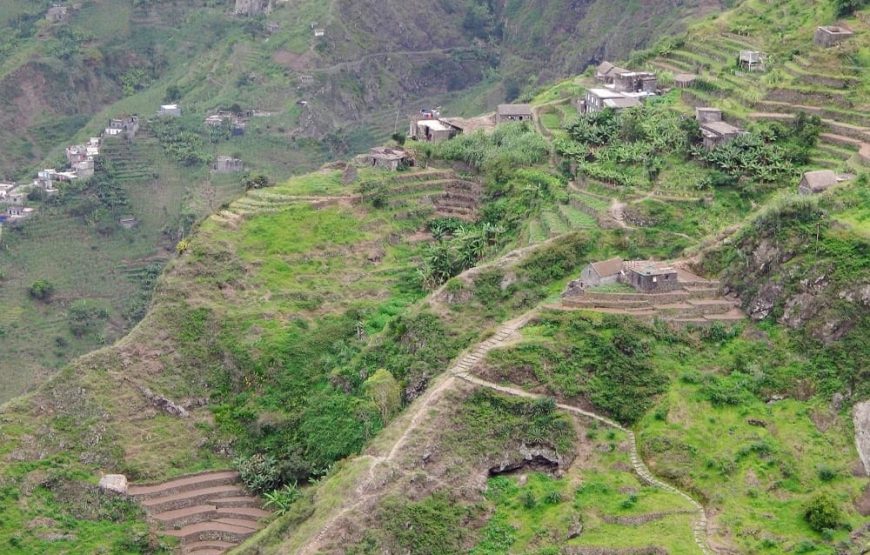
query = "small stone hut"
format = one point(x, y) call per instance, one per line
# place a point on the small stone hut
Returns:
point(606, 73)
point(171, 110)
point(708, 115)
point(830, 35)
point(601, 273)
point(432, 130)
point(652, 278)
point(718, 133)
point(685, 80)
point(57, 13)
point(227, 164)
point(635, 81)
point(751, 60)
point(390, 158)
point(513, 112)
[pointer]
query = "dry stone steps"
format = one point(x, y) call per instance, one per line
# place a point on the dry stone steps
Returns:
point(210, 512)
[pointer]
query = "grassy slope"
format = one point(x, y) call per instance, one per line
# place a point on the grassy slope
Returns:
point(120, 57)
point(754, 465)
point(228, 321)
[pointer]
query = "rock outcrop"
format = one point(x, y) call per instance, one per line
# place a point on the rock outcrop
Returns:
point(253, 7)
point(861, 418)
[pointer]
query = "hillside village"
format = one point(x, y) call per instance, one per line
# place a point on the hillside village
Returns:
point(595, 320)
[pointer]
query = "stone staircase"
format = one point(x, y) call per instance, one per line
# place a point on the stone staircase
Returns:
point(210, 512)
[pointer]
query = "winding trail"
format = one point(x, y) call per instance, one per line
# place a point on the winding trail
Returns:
point(366, 491)
point(699, 529)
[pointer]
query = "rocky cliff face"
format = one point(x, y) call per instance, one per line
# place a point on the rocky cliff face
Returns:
point(253, 7)
point(800, 268)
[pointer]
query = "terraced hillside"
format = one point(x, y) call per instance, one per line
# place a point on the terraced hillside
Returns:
point(799, 76)
point(315, 98)
point(384, 354)
point(209, 512)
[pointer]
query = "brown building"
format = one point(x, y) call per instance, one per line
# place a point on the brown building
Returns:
point(816, 182)
point(828, 36)
point(513, 112)
point(390, 158)
point(652, 278)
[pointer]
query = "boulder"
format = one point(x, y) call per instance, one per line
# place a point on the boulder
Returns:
point(115, 483)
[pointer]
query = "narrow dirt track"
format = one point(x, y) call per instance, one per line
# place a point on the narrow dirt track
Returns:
point(461, 370)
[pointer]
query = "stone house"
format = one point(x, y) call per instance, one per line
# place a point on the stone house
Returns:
point(816, 182)
point(751, 60)
point(57, 14)
point(635, 82)
point(237, 122)
point(607, 72)
point(93, 147)
point(828, 36)
point(214, 120)
point(685, 80)
point(714, 130)
point(513, 112)
point(84, 169)
point(126, 126)
point(432, 130)
point(390, 158)
point(708, 115)
point(171, 110)
point(76, 153)
point(718, 133)
point(18, 212)
point(599, 99)
point(601, 273)
point(651, 277)
point(227, 164)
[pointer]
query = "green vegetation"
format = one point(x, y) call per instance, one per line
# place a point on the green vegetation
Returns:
point(300, 332)
point(603, 359)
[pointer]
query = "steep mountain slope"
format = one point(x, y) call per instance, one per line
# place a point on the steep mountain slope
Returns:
point(416, 384)
point(320, 96)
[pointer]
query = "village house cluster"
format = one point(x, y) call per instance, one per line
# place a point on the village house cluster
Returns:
point(237, 122)
point(431, 127)
point(621, 88)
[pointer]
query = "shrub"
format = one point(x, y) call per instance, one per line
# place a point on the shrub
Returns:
point(384, 391)
point(41, 290)
point(260, 473)
point(822, 512)
point(280, 500)
point(85, 317)
point(826, 473)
